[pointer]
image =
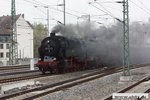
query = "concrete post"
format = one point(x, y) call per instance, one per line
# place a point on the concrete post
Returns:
point(32, 64)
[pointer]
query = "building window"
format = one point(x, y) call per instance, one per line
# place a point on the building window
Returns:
point(1, 46)
point(7, 46)
point(1, 55)
point(7, 54)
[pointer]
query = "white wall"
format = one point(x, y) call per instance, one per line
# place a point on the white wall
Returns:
point(24, 38)
point(4, 51)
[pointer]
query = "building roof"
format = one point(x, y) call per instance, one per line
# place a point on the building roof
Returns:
point(5, 24)
point(30, 24)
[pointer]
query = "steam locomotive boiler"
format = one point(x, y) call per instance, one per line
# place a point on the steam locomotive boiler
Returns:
point(59, 54)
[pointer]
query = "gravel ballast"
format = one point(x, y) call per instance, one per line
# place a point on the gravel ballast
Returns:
point(97, 89)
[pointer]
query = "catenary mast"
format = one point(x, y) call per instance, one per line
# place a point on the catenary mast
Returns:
point(13, 44)
point(126, 52)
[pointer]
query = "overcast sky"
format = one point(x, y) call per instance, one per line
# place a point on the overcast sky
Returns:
point(139, 10)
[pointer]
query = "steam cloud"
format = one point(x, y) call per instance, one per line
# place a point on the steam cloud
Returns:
point(106, 42)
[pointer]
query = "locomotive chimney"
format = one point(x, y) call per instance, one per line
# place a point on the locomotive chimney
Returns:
point(52, 34)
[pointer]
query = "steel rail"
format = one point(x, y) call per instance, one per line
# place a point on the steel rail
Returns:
point(21, 78)
point(18, 72)
point(14, 67)
point(107, 71)
point(147, 91)
point(98, 75)
point(130, 87)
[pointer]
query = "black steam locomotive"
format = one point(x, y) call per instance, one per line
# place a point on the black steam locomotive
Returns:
point(59, 54)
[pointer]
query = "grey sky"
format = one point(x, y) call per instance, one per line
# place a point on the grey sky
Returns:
point(77, 8)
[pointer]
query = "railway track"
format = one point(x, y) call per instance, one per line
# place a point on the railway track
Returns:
point(14, 67)
point(14, 70)
point(27, 77)
point(58, 86)
point(13, 79)
point(132, 87)
point(62, 85)
point(147, 91)
point(18, 72)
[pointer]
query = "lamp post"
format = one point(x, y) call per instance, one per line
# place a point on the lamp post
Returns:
point(47, 19)
point(64, 12)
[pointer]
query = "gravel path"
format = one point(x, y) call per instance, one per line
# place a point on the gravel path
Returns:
point(97, 89)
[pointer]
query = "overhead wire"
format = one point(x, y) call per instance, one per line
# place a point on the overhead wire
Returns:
point(106, 12)
point(77, 11)
point(105, 8)
point(39, 2)
point(29, 1)
point(140, 7)
point(49, 15)
point(54, 9)
point(65, 12)
point(107, 2)
point(144, 5)
point(113, 8)
point(49, 6)
point(41, 10)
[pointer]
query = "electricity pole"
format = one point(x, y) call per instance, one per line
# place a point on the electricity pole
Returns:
point(126, 52)
point(13, 51)
point(47, 20)
point(64, 13)
point(47, 7)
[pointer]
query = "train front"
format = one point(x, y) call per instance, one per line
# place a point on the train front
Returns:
point(48, 54)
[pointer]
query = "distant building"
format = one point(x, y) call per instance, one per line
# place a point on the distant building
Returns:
point(24, 37)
